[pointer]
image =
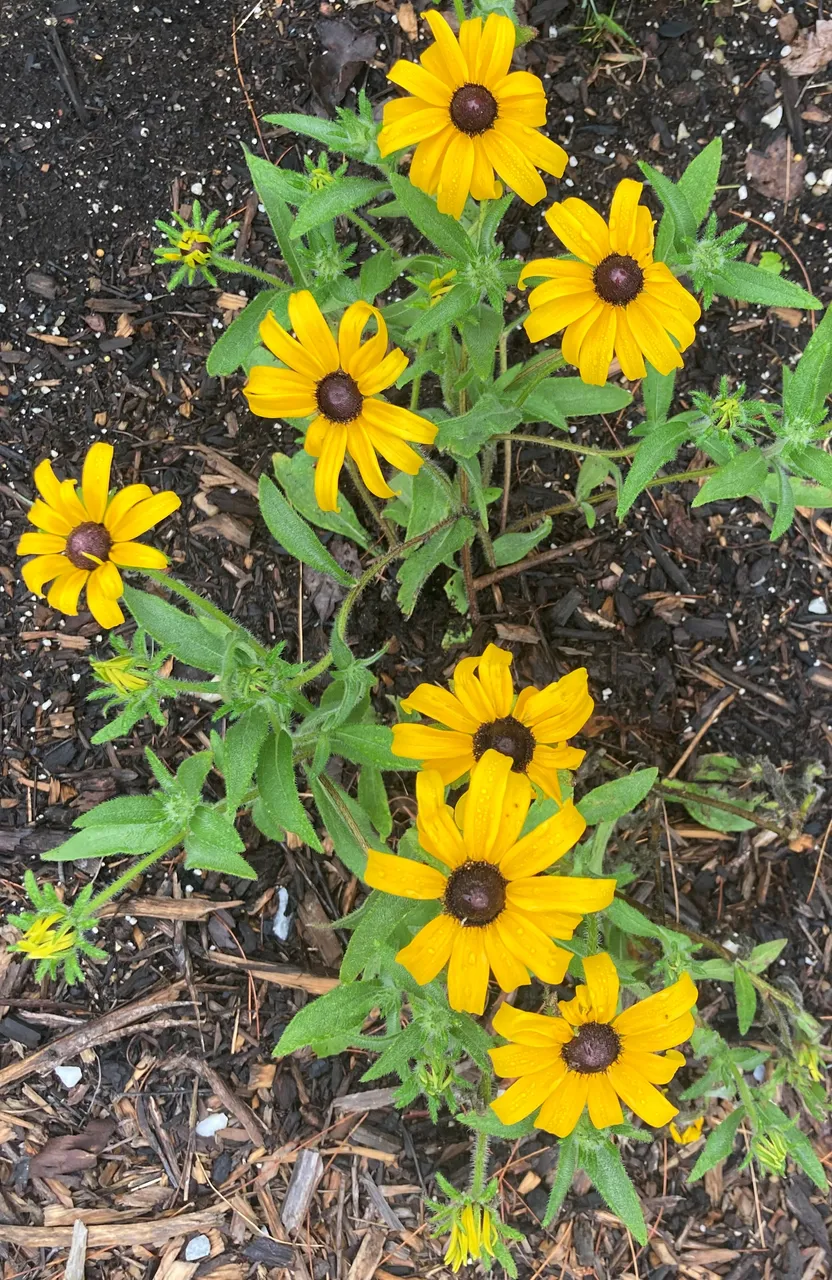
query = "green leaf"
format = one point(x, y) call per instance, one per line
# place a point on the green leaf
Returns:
point(748, 283)
point(565, 1172)
point(511, 547)
point(701, 811)
point(719, 1145)
point(487, 1122)
point(191, 775)
point(805, 395)
point(675, 202)
point(448, 310)
point(431, 500)
point(631, 921)
point(233, 348)
point(339, 197)
point(345, 1007)
point(441, 230)
point(368, 744)
point(106, 840)
point(481, 330)
point(812, 462)
point(380, 915)
point(182, 634)
point(742, 476)
point(745, 994)
point(785, 505)
point(213, 844)
point(658, 394)
point(295, 535)
point(613, 799)
point(464, 436)
point(241, 751)
point(378, 273)
point(279, 791)
point(372, 796)
point(126, 809)
point(765, 954)
point(603, 1164)
point(657, 448)
point(269, 188)
point(803, 1154)
point(347, 824)
point(558, 398)
point(329, 132)
point(699, 181)
point(296, 476)
point(418, 566)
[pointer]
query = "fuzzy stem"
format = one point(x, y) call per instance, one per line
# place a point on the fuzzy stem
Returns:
point(595, 499)
point(247, 269)
point(363, 225)
point(366, 497)
point(135, 869)
point(417, 381)
point(459, 8)
point(571, 446)
point(479, 1156)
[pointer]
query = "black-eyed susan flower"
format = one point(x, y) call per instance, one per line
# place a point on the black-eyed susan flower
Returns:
point(589, 1057)
point(611, 297)
point(483, 713)
point(692, 1132)
point(498, 913)
point(469, 116)
point(339, 382)
point(195, 246)
point(84, 536)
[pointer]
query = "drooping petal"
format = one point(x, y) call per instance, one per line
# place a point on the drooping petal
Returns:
point(484, 185)
point(641, 1096)
point(668, 317)
point(652, 338)
point(526, 1094)
point(95, 480)
point(664, 1036)
point(430, 950)
point(495, 678)
point(124, 501)
point(46, 482)
point(535, 146)
point(398, 421)
point(576, 895)
point(660, 280)
point(623, 215)
point(316, 433)
point(426, 165)
point(602, 1100)
point(103, 607)
point(438, 833)
point(107, 577)
point(468, 972)
point(581, 229)
point(383, 374)
point(597, 348)
point(64, 592)
point(423, 742)
point(437, 703)
point(530, 945)
point(289, 350)
point(392, 448)
point(312, 331)
point(403, 877)
point(509, 972)
point(136, 555)
point(657, 1068)
point(416, 80)
point(49, 519)
point(575, 335)
point(533, 1029)
point(543, 846)
point(328, 467)
point(36, 573)
point(659, 1009)
point(365, 458)
point(512, 165)
point(562, 1109)
point(455, 176)
point(627, 349)
point(544, 776)
point(143, 516)
point(40, 544)
point(484, 805)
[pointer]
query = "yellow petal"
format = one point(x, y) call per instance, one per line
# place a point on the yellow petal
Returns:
point(289, 350)
point(532, 1029)
point(107, 577)
point(564, 287)
point(364, 456)
point(660, 280)
point(36, 573)
point(49, 519)
point(470, 35)
point(516, 801)
point(495, 678)
point(430, 950)
point(526, 1095)
point(575, 335)
point(535, 146)
point(426, 165)
point(668, 317)
point(328, 467)
point(64, 592)
point(602, 981)
point(562, 1109)
point(399, 109)
point(544, 845)
point(530, 109)
point(652, 339)
point(471, 693)
point(658, 1010)
point(574, 895)
point(266, 380)
point(546, 320)
point(657, 1068)
point(316, 433)
point(439, 704)
point(398, 421)
point(604, 1107)
point(135, 555)
point(666, 1036)
point(143, 516)
point(438, 833)
point(423, 742)
point(455, 176)
point(483, 183)
point(416, 80)
point(364, 362)
point(623, 217)
point(523, 1060)
point(95, 481)
point(543, 776)
point(40, 544)
point(581, 229)
point(509, 972)
point(641, 1096)
point(555, 269)
point(403, 877)
point(415, 127)
point(484, 804)
point(124, 501)
point(561, 709)
point(312, 331)
point(103, 607)
point(531, 946)
point(456, 71)
point(468, 972)
point(627, 349)
point(512, 165)
point(597, 348)
point(383, 375)
point(46, 482)
point(496, 50)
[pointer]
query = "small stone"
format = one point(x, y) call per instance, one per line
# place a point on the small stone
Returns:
point(698, 74)
point(282, 921)
point(773, 118)
point(826, 177)
point(817, 605)
point(197, 188)
point(811, 178)
point(70, 1076)
point(212, 1124)
point(682, 133)
point(196, 1248)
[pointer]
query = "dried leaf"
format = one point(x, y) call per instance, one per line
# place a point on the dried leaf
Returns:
point(408, 22)
point(777, 172)
point(71, 1152)
point(811, 51)
point(226, 526)
point(124, 326)
point(345, 50)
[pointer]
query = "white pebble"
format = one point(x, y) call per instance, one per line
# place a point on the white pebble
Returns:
point(772, 118)
point(196, 1248)
point(282, 922)
point(197, 188)
point(68, 1076)
point(817, 605)
point(212, 1124)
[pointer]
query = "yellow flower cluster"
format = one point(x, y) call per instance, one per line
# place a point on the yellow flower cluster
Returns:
point(473, 1237)
point(42, 940)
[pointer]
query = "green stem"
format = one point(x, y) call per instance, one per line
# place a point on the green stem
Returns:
point(311, 673)
point(459, 8)
point(363, 225)
point(571, 446)
point(595, 499)
point(417, 381)
point(135, 869)
point(247, 269)
point(193, 597)
point(367, 498)
point(593, 933)
point(479, 1156)
point(700, 798)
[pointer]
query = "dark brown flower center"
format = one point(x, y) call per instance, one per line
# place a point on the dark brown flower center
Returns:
point(618, 279)
point(338, 397)
point(510, 738)
point(88, 545)
point(197, 246)
point(473, 109)
point(595, 1047)
point(475, 893)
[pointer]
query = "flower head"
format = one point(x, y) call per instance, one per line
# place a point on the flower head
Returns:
point(42, 940)
point(119, 673)
point(483, 713)
point(691, 1133)
point(339, 383)
point(590, 1057)
point(614, 298)
point(194, 246)
point(470, 116)
point(85, 536)
point(473, 1236)
point(498, 913)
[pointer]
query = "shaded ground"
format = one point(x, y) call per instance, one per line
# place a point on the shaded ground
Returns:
point(665, 612)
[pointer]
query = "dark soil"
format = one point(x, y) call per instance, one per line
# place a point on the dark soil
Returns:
point(665, 611)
